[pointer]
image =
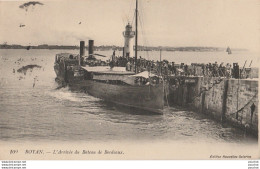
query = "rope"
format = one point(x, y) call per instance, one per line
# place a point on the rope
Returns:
point(130, 10)
point(238, 90)
point(219, 81)
point(145, 41)
point(230, 113)
point(133, 19)
point(244, 105)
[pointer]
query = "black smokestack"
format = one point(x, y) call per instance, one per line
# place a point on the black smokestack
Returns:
point(90, 47)
point(81, 51)
point(82, 48)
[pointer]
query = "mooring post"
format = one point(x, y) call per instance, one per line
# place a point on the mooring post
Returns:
point(203, 102)
point(224, 101)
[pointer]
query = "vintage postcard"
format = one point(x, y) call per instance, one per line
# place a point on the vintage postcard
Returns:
point(129, 79)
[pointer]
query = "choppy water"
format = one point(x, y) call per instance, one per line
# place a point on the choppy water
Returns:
point(45, 113)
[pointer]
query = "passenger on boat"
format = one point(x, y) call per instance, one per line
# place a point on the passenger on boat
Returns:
point(128, 66)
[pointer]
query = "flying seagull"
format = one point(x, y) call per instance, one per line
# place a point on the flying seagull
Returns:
point(30, 3)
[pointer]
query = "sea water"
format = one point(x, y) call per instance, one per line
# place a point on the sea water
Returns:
point(34, 108)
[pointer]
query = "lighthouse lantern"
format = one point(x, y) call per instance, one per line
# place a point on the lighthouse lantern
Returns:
point(128, 35)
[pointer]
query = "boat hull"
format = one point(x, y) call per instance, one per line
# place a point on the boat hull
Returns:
point(144, 97)
point(60, 72)
point(149, 98)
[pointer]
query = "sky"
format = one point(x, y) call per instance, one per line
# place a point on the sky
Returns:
point(217, 23)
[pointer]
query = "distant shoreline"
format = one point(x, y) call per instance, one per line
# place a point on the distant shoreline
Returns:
point(105, 48)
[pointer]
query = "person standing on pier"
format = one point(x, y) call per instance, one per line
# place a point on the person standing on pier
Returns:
point(203, 69)
point(186, 70)
point(210, 70)
point(173, 69)
point(215, 70)
point(228, 70)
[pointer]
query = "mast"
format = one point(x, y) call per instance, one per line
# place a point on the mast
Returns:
point(136, 33)
point(160, 62)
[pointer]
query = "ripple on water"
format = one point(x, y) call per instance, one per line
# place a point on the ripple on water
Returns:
point(45, 112)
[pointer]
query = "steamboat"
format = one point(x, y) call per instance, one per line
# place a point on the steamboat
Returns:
point(121, 84)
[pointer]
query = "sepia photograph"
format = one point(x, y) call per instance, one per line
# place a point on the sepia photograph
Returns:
point(129, 79)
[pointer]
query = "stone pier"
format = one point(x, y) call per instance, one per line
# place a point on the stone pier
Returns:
point(233, 101)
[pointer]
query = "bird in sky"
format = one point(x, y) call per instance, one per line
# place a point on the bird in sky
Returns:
point(28, 4)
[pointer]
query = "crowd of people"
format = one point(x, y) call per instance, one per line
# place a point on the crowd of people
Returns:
point(166, 68)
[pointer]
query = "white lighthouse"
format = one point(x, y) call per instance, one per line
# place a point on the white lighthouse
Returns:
point(128, 34)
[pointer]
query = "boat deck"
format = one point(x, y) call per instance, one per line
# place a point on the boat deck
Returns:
point(108, 70)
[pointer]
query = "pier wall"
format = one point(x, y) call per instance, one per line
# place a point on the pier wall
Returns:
point(234, 101)
point(242, 103)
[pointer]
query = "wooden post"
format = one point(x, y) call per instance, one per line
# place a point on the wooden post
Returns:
point(203, 102)
point(224, 101)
